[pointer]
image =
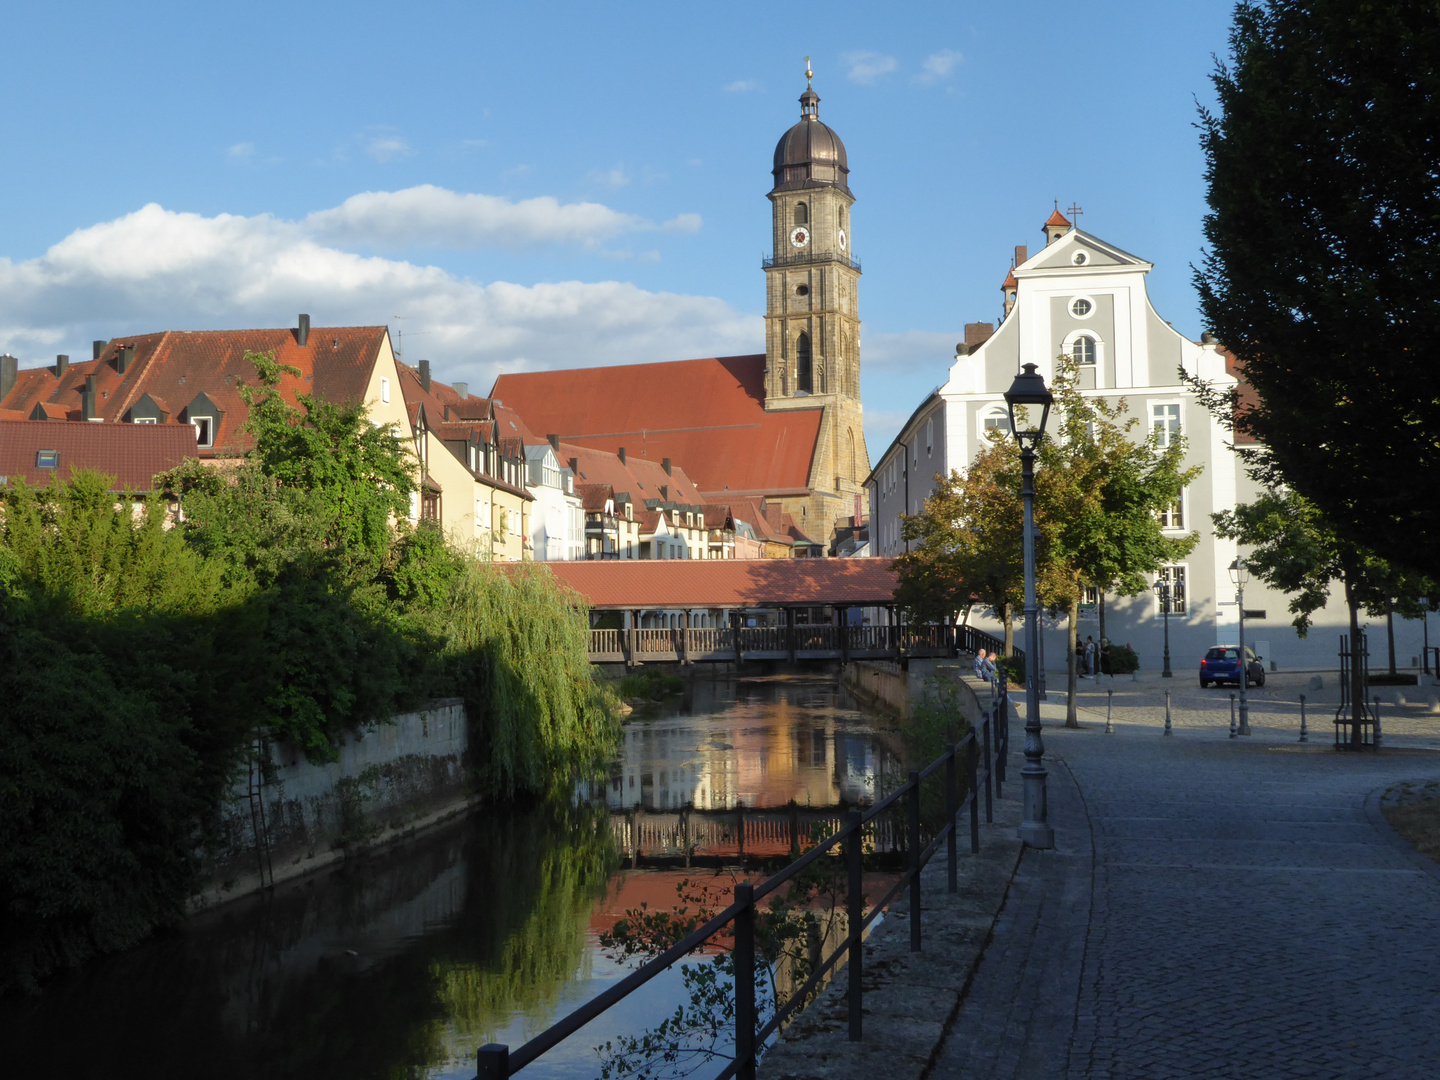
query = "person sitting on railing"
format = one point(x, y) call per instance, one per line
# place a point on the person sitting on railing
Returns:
point(984, 667)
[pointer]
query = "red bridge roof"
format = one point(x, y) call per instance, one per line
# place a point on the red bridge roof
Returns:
point(728, 583)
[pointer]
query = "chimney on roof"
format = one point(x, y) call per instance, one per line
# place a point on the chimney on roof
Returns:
point(425, 375)
point(621, 455)
point(554, 442)
point(665, 464)
point(9, 374)
point(462, 389)
point(302, 332)
point(62, 365)
point(97, 347)
point(977, 333)
point(87, 399)
point(123, 358)
point(1022, 252)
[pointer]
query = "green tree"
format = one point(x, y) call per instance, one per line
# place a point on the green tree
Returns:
point(1320, 273)
point(1099, 492)
point(966, 544)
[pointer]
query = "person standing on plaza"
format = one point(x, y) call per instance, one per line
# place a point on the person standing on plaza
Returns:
point(1089, 657)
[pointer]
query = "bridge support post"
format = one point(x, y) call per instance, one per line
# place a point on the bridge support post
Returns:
point(844, 631)
point(790, 632)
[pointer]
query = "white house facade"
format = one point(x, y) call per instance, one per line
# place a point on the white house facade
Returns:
point(1085, 298)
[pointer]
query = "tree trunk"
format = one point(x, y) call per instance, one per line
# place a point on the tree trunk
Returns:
point(1009, 613)
point(1390, 631)
point(1072, 717)
point(1100, 611)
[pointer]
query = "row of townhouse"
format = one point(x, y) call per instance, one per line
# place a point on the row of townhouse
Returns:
point(1085, 298)
point(494, 486)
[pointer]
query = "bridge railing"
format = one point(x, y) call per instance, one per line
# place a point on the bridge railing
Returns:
point(717, 642)
point(981, 754)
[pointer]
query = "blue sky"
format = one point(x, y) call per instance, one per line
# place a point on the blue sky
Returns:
point(554, 185)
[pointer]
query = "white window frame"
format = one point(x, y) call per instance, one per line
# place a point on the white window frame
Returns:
point(1168, 573)
point(930, 437)
point(384, 390)
point(1167, 403)
point(1070, 306)
point(209, 428)
point(1184, 514)
point(1067, 346)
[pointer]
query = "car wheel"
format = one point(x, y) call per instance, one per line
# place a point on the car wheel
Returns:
point(1260, 679)
point(1204, 684)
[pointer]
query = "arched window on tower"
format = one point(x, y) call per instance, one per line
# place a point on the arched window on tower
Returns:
point(854, 466)
point(802, 214)
point(803, 384)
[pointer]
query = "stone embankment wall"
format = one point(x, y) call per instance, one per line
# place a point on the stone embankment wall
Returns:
point(388, 781)
point(895, 688)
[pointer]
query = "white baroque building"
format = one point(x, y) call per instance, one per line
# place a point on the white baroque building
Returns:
point(1085, 298)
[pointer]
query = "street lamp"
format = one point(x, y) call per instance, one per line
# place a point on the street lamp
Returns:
point(1240, 574)
point(1162, 590)
point(1029, 394)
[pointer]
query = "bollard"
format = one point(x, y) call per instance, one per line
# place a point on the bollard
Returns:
point(1377, 723)
point(1109, 701)
point(492, 1062)
point(1167, 712)
point(1232, 716)
point(1304, 735)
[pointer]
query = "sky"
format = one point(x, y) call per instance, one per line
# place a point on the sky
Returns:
point(546, 185)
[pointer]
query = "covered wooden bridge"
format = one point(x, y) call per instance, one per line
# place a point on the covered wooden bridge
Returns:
point(732, 610)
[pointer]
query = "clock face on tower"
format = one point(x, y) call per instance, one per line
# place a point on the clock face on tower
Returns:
point(843, 241)
point(799, 237)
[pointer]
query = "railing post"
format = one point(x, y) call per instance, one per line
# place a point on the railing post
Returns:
point(492, 1062)
point(913, 802)
point(973, 758)
point(1304, 735)
point(952, 810)
point(1377, 723)
point(989, 772)
point(745, 982)
point(855, 912)
point(1003, 730)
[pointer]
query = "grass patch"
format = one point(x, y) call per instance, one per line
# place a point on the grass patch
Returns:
point(649, 684)
point(1413, 811)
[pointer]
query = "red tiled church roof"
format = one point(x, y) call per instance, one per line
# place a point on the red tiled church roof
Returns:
point(131, 453)
point(708, 415)
point(680, 583)
point(1056, 218)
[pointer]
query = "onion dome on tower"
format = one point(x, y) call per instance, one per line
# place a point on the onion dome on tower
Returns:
point(810, 154)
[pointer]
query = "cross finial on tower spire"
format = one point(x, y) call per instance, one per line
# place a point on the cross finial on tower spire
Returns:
point(808, 73)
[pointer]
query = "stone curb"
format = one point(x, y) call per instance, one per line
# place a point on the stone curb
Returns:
point(911, 999)
point(1377, 818)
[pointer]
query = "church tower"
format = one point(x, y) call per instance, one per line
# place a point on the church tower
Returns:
point(812, 314)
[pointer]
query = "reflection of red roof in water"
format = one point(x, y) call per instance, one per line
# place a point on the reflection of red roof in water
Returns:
point(708, 415)
point(647, 583)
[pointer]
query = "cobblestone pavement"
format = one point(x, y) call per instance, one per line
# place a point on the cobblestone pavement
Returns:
point(1241, 911)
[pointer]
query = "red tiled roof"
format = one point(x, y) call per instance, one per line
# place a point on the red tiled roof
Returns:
point(641, 478)
point(707, 415)
point(594, 496)
point(1010, 282)
point(178, 365)
point(680, 583)
point(1056, 218)
point(131, 453)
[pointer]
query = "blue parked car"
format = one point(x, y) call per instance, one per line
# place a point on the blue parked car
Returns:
point(1222, 664)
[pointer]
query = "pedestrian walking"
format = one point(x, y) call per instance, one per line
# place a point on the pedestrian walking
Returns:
point(1090, 657)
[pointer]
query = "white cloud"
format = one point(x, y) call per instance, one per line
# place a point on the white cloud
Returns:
point(683, 223)
point(939, 66)
point(614, 178)
point(866, 67)
point(385, 148)
point(157, 269)
point(742, 86)
point(430, 216)
point(242, 151)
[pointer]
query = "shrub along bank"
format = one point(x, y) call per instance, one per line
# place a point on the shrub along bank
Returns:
point(137, 660)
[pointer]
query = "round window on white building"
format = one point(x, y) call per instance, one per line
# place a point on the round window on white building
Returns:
point(1081, 307)
point(1080, 258)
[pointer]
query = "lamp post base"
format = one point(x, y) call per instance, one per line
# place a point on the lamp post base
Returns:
point(1035, 830)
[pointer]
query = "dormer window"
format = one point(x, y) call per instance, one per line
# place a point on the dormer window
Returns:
point(204, 430)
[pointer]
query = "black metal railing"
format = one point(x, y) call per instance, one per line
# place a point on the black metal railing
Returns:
point(842, 642)
point(799, 258)
point(988, 744)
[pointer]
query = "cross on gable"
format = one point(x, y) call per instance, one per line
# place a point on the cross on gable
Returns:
point(1074, 212)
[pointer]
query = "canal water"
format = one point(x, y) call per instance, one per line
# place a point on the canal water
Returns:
point(402, 963)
